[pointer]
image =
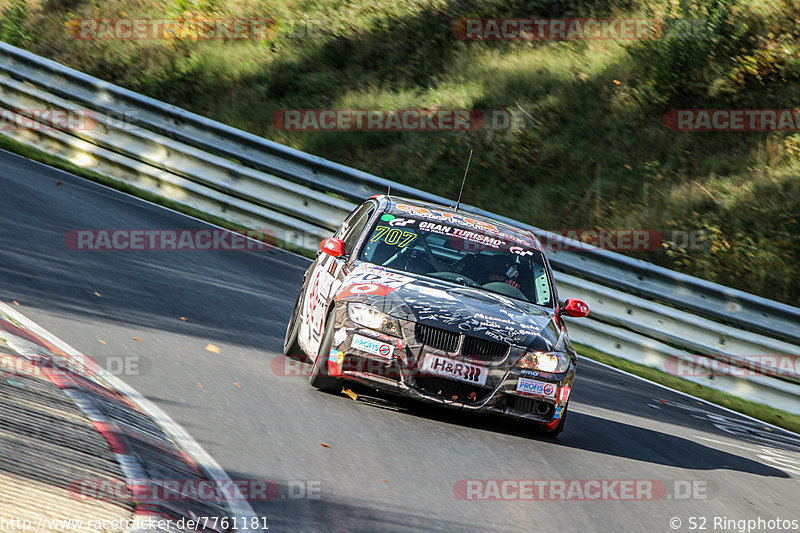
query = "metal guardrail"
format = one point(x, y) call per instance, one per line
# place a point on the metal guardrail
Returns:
point(172, 156)
point(734, 380)
point(264, 185)
point(633, 276)
point(673, 327)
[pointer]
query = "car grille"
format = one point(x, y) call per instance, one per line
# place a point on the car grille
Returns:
point(438, 339)
point(441, 339)
point(449, 389)
point(483, 349)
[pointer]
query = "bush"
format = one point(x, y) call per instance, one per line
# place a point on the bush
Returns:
point(12, 28)
point(698, 37)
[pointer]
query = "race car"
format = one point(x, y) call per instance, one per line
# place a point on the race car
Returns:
point(435, 304)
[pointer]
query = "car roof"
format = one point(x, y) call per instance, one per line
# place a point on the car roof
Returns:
point(400, 206)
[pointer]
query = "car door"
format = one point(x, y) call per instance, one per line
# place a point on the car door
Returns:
point(325, 279)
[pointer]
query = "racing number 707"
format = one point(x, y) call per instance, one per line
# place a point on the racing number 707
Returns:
point(393, 236)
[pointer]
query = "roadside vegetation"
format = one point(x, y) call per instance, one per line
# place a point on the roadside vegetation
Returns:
point(588, 148)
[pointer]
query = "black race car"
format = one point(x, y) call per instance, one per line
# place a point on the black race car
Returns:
point(443, 306)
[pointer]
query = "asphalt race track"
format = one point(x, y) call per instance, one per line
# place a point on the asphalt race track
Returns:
point(383, 467)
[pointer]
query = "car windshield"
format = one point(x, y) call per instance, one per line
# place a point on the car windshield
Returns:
point(474, 258)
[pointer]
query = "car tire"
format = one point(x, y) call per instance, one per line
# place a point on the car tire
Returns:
point(555, 432)
point(291, 347)
point(320, 378)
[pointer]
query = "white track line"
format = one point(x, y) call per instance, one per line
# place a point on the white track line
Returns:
point(687, 395)
point(238, 505)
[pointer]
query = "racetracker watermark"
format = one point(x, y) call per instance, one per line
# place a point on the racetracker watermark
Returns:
point(51, 119)
point(40, 366)
point(171, 240)
point(733, 119)
point(201, 29)
point(283, 366)
point(620, 239)
point(161, 490)
point(62, 120)
point(744, 366)
point(632, 240)
point(383, 364)
point(572, 29)
point(47, 119)
point(579, 490)
point(628, 240)
point(397, 119)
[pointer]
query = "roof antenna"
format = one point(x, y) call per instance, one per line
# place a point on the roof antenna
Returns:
point(458, 202)
point(389, 190)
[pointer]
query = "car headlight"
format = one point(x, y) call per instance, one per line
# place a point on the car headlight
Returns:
point(369, 317)
point(553, 362)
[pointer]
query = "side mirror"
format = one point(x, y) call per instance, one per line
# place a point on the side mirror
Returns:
point(332, 246)
point(575, 308)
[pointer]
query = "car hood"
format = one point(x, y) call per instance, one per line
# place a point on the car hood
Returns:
point(466, 310)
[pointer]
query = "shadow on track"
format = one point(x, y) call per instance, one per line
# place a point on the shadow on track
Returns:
point(330, 513)
point(595, 434)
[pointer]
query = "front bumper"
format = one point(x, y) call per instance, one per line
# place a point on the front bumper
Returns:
point(400, 373)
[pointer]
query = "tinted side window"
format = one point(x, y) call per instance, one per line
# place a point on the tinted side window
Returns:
point(354, 226)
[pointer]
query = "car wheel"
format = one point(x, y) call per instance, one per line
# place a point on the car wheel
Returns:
point(291, 348)
point(320, 378)
point(553, 433)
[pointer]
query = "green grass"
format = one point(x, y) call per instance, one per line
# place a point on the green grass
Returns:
point(760, 411)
